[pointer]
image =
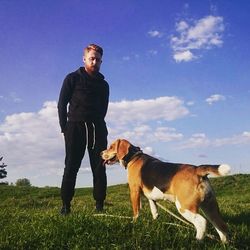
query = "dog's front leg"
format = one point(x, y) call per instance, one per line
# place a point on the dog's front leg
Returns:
point(153, 209)
point(135, 200)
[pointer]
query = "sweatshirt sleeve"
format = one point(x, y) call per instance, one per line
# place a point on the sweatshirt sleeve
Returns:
point(106, 100)
point(64, 99)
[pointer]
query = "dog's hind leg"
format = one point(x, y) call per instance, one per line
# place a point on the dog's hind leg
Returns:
point(196, 219)
point(211, 210)
point(153, 208)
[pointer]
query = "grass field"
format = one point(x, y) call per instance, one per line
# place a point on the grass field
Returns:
point(29, 219)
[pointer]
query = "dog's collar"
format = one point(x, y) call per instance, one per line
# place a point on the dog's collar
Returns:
point(133, 152)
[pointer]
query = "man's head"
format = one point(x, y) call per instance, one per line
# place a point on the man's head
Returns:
point(92, 58)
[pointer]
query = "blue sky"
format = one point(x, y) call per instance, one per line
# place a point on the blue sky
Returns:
point(178, 74)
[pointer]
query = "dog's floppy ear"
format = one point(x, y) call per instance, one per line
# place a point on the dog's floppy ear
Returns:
point(117, 143)
point(122, 148)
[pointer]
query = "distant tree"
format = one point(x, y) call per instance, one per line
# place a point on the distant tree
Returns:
point(3, 172)
point(4, 183)
point(24, 182)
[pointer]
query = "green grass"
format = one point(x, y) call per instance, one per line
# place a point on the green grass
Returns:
point(29, 219)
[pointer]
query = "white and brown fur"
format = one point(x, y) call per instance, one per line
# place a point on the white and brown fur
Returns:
point(185, 185)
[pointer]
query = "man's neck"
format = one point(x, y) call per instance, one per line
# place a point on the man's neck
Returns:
point(91, 73)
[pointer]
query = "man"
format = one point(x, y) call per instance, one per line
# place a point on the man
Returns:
point(83, 125)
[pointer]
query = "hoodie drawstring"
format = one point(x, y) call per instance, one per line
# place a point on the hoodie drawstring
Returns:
point(87, 134)
point(93, 145)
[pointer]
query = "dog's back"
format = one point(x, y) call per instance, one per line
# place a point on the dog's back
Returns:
point(157, 173)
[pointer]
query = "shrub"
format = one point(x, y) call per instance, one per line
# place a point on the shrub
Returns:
point(24, 182)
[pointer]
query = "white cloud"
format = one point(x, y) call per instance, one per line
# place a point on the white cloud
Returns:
point(243, 138)
point(32, 144)
point(181, 26)
point(144, 135)
point(126, 58)
point(205, 33)
point(215, 98)
point(190, 103)
point(139, 111)
point(153, 52)
point(196, 141)
point(185, 56)
point(133, 56)
point(13, 96)
point(33, 147)
point(155, 33)
point(148, 150)
point(200, 140)
point(167, 134)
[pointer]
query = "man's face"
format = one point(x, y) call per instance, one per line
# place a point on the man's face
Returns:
point(92, 61)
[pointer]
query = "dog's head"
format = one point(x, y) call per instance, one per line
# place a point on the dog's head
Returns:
point(118, 151)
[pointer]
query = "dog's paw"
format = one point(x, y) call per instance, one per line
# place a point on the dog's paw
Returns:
point(156, 216)
point(135, 218)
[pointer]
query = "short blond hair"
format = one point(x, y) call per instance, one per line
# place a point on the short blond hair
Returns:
point(93, 47)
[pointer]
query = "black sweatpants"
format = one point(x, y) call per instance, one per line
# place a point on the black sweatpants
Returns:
point(79, 136)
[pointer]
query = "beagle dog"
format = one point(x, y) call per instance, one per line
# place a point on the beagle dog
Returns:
point(186, 185)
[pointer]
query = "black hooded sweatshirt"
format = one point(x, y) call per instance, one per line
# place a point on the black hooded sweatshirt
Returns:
point(87, 97)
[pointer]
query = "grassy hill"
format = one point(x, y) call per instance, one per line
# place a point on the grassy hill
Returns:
point(29, 219)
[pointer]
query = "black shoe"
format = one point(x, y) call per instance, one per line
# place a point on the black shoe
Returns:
point(99, 206)
point(65, 210)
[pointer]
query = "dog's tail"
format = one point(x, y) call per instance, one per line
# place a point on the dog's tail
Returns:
point(217, 170)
